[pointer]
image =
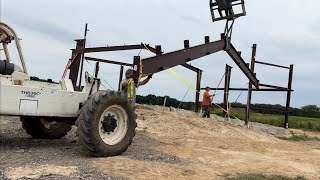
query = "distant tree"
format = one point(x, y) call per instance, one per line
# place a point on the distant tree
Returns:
point(310, 111)
point(307, 111)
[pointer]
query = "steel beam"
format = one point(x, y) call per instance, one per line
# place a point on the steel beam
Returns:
point(107, 61)
point(82, 55)
point(96, 73)
point(75, 64)
point(168, 60)
point(259, 108)
point(246, 89)
point(272, 86)
point(120, 77)
point(226, 88)
point(253, 59)
point(286, 123)
point(198, 87)
point(233, 53)
point(192, 68)
point(274, 65)
point(117, 48)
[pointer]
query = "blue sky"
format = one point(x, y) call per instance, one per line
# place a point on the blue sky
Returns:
point(286, 33)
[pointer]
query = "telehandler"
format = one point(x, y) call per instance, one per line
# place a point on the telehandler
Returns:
point(105, 119)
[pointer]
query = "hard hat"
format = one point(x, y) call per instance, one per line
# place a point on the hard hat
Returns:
point(128, 73)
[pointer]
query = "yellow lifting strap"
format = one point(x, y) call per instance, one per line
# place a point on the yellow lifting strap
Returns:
point(191, 87)
point(131, 89)
point(131, 84)
point(183, 80)
point(140, 72)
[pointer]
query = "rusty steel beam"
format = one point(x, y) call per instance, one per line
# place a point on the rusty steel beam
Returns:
point(117, 48)
point(246, 89)
point(272, 86)
point(107, 61)
point(120, 77)
point(82, 54)
point(234, 54)
point(192, 68)
point(259, 108)
point(168, 60)
point(75, 64)
point(226, 88)
point(96, 73)
point(253, 60)
point(197, 102)
point(274, 65)
point(286, 122)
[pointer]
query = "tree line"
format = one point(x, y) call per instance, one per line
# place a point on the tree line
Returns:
point(305, 111)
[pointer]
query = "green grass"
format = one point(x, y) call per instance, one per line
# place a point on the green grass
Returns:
point(295, 122)
point(260, 177)
point(300, 138)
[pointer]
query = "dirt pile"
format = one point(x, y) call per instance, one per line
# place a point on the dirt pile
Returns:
point(168, 145)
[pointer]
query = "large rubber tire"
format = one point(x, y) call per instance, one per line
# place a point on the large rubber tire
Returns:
point(40, 128)
point(93, 138)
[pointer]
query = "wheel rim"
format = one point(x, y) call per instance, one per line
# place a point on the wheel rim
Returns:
point(113, 124)
point(50, 124)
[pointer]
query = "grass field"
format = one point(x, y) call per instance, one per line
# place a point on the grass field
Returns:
point(276, 120)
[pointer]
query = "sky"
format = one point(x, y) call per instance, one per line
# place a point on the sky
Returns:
point(286, 32)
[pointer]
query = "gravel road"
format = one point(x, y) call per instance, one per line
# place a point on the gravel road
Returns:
point(168, 145)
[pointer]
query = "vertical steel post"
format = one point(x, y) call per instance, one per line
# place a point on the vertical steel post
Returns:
point(120, 77)
point(75, 67)
point(226, 88)
point(82, 55)
point(97, 70)
point(253, 61)
point(286, 123)
point(198, 87)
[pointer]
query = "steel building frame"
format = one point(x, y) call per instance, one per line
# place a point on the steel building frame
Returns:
point(250, 89)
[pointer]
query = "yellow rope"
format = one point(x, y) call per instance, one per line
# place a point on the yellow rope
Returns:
point(183, 80)
point(219, 83)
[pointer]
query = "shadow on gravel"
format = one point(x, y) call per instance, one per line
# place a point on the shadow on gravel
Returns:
point(18, 142)
point(142, 149)
point(15, 143)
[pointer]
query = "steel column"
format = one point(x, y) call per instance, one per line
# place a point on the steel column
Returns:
point(82, 54)
point(96, 73)
point(120, 77)
point(75, 64)
point(226, 87)
point(286, 123)
point(253, 59)
point(199, 77)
